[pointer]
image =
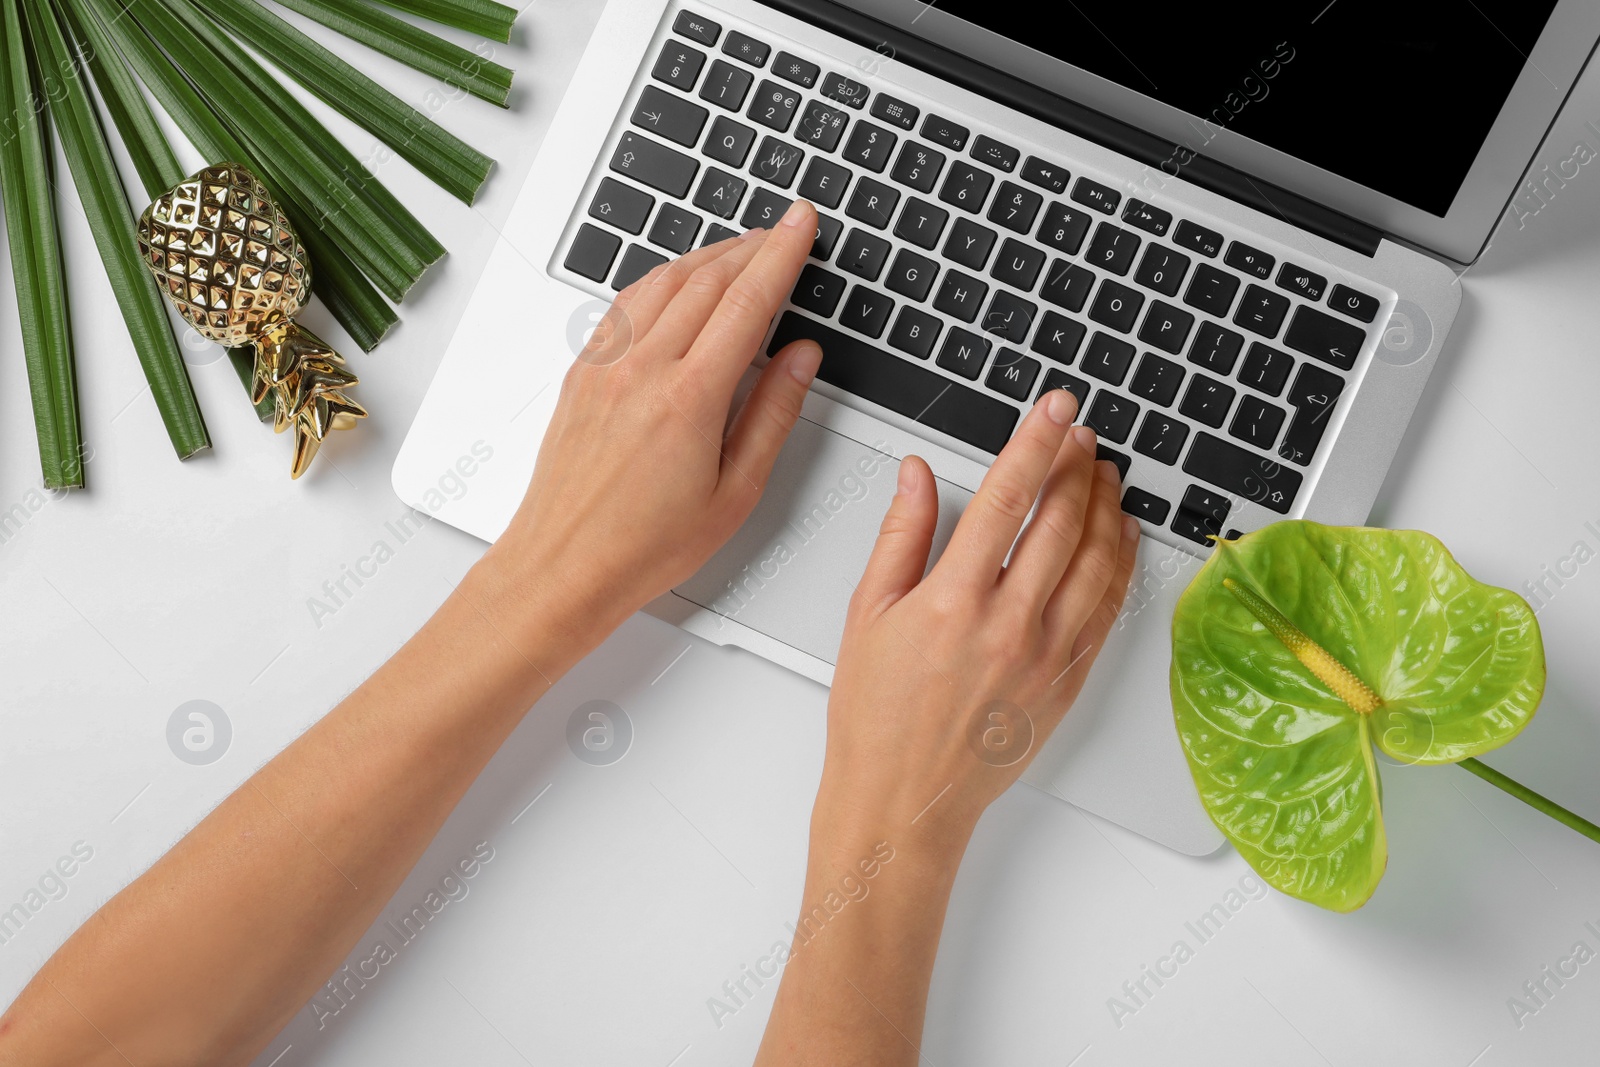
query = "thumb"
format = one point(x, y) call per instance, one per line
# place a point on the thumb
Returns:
point(763, 424)
point(904, 541)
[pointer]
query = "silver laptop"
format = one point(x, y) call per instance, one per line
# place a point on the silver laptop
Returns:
point(1235, 238)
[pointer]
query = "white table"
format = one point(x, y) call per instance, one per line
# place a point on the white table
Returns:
point(621, 898)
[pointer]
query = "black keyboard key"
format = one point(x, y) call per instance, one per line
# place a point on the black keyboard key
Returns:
point(1157, 379)
point(696, 28)
point(828, 231)
point(776, 162)
point(1043, 173)
point(678, 65)
point(921, 223)
point(883, 378)
point(1347, 301)
point(720, 193)
point(1107, 358)
point(729, 142)
point(1015, 208)
point(637, 261)
point(1009, 316)
point(670, 116)
point(746, 49)
point(942, 131)
point(963, 353)
point(764, 209)
point(1111, 416)
point(1242, 472)
point(1261, 311)
point(1093, 194)
point(1207, 400)
point(966, 186)
point(622, 206)
point(1146, 217)
point(1265, 369)
point(1301, 282)
point(1112, 249)
point(654, 164)
point(838, 88)
point(912, 275)
point(1207, 502)
point(821, 126)
point(873, 203)
point(1067, 285)
point(870, 146)
point(1197, 528)
point(1197, 238)
point(1257, 422)
point(674, 229)
point(1212, 290)
point(969, 244)
point(818, 290)
point(1252, 261)
point(1166, 327)
point(824, 182)
point(1058, 337)
point(1013, 374)
point(961, 296)
point(894, 112)
point(1115, 305)
point(726, 85)
point(917, 166)
point(1060, 379)
point(1161, 438)
point(774, 105)
point(1112, 456)
point(915, 332)
point(1146, 506)
point(791, 68)
point(1018, 264)
point(1002, 156)
point(716, 234)
point(866, 311)
point(1313, 396)
point(1161, 269)
point(1321, 336)
point(592, 252)
point(1215, 348)
point(1063, 228)
point(863, 254)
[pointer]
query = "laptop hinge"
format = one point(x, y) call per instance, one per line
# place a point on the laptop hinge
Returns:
point(1075, 118)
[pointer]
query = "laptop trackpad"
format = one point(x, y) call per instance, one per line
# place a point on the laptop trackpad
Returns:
point(791, 569)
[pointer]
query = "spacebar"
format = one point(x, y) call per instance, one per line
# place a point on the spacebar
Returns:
point(901, 386)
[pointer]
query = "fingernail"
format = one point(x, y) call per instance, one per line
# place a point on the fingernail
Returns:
point(908, 479)
point(1061, 406)
point(1130, 528)
point(1084, 438)
point(1108, 471)
point(796, 215)
point(751, 232)
point(803, 363)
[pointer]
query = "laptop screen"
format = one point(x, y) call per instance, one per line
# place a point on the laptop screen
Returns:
point(1360, 82)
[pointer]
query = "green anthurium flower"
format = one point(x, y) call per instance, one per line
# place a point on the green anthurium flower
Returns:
point(1301, 650)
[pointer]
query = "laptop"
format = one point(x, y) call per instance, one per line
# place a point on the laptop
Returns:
point(1236, 238)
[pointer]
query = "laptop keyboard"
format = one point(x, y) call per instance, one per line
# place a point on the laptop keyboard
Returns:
point(955, 276)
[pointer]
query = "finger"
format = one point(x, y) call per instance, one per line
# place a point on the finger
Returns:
point(763, 425)
point(904, 540)
point(658, 288)
point(987, 529)
point(728, 341)
point(1095, 561)
point(1094, 634)
point(1046, 546)
point(696, 298)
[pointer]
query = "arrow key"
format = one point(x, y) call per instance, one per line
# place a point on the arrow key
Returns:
point(621, 206)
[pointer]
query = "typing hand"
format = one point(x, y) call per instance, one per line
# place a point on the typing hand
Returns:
point(641, 478)
point(947, 685)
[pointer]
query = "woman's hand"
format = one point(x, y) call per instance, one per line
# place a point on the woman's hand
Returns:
point(641, 477)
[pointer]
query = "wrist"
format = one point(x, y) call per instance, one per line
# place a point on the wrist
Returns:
point(534, 606)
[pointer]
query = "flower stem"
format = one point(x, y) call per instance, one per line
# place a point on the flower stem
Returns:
point(1532, 799)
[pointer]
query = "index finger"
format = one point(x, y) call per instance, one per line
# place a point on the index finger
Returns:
point(728, 343)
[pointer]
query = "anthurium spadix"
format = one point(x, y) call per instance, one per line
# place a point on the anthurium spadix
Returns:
point(1301, 651)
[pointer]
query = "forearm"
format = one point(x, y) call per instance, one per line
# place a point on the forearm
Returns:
point(210, 952)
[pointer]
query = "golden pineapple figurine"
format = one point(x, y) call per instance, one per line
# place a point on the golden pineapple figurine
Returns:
point(229, 260)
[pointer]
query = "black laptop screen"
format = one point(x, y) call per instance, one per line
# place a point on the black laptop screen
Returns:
point(1397, 96)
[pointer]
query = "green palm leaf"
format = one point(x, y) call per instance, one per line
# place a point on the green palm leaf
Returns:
point(475, 16)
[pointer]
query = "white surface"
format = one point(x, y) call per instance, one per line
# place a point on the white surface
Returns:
point(621, 901)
